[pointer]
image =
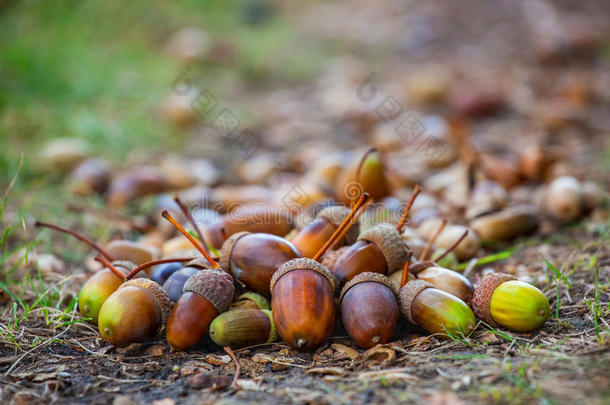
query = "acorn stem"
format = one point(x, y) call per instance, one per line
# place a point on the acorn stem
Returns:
point(165, 214)
point(113, 269)
point(77, 236)
point(424, 253)
point(156, 262)
point(189, 218)
point(237, 367)
point(403, 219)
point(346, 222)
point(359, 169)
point(352, 222)
point(452, 247)
point(405, 272)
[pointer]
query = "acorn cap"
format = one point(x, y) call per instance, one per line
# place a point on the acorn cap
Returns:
point(199, 263)
point(365, 277)
point(227, 249)
point(421, 266)
point(157, 292)
point(407, 294)
point(336, 214)
point(389, 241)
point(483, 292)
point(214, 285)
point(302, 263)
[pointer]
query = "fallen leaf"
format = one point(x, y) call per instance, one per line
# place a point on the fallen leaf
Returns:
point(209, 380)
point(44, 377)
point(345, 350)
point(217, 360)
point(164, 401)
point(379, 355)
point(155, 350)
point(443, 398)
point(326, 370)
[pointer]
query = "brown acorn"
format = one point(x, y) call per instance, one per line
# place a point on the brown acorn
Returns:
point(369, 309)
point(565, 199)
point(254, 218)
point(134, 313)
point(379, 249)
point(311, 238)
point(487, 196)
point(500, 299)
point(303, 302)
point(445, 280)
point(134, 252)
point(252, 258)
point(206, 295)
point(506, 224)
point(434, 310)
point(139, 182)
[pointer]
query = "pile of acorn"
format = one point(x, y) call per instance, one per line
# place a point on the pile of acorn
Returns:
point(271, 281)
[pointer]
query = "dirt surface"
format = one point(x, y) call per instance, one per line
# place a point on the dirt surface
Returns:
point(46, 358)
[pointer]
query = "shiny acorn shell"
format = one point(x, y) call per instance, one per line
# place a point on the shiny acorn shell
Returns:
point(369, 309)
point(303, 303)
point(500, 299)
point(134, 313)
point(99, 287)
point(243, 327)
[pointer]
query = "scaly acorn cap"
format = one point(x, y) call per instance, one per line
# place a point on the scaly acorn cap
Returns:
point(366, 277)
point(407, 294)
point(214, 285)
point(389, 241)
point(227, 249)
point(336, 214)
point(302, 263)
point(421, 266)
point(483, 292)
point(156, 291)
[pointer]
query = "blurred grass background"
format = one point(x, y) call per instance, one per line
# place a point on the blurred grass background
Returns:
point(98, 70)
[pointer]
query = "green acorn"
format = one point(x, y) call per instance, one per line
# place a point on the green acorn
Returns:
point(500, 299)
point(434, 310)
point(99, 287)
point(243, 327)
point(251, 300)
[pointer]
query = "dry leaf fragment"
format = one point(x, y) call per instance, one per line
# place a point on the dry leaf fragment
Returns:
point(345, 350)
point(217, 360)
point(327, 370)
point(379, 355)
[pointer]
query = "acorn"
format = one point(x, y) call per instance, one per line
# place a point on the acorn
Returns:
point(206, 294)
point(500, 299)
point(99, 287)
point(134, 313)
point(162, 272)
point(311, 238)
point(90, 176)
point(434, 310)
point(134, 252)
point(139, 182)
point(565, 199)
point(302, 291)
point(303, 303)
point(365, 175)
point(487, 196)
point(174, 285)
point(244, 327)
point(445, 280)
point(506, 224)
point(250, 300)
point(254, 218)
point(396, 279)
point(103, 283)
point(252, 258)
point(369, 309)
point(467, 249)
point(379, 249)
